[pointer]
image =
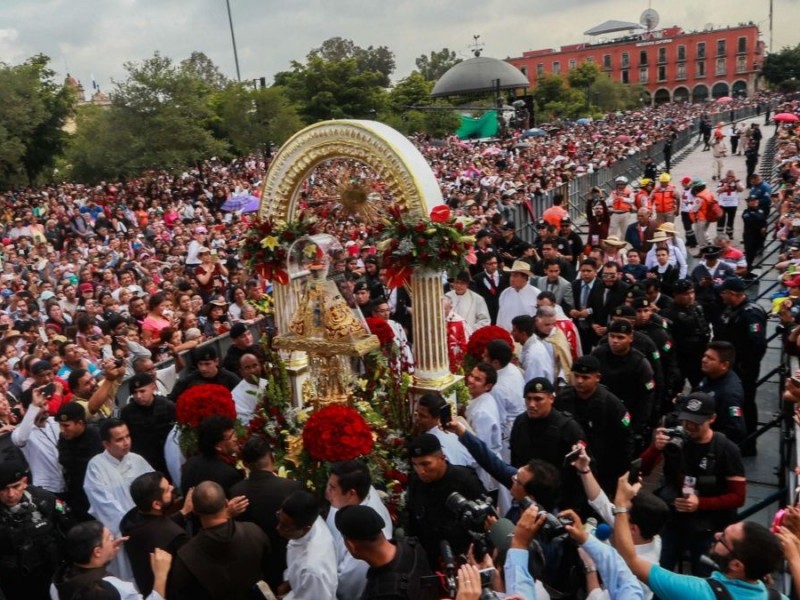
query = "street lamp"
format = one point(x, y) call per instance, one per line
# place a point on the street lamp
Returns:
point(233, 40)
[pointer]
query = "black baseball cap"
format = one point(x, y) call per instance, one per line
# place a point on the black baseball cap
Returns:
point(359, 522)
point(698, 407)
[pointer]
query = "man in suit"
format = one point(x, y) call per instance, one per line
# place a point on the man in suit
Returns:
point(587, 298)
point(490, 283)
point(639, 233)
point(266, 493)
point(614, 290)
point(553, 282)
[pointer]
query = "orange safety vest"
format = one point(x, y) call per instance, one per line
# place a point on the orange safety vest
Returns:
point(664, 198)
point(619, 203)
point(705, 198)
point(642, 200)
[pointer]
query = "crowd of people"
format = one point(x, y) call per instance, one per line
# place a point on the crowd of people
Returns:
point(623, 351)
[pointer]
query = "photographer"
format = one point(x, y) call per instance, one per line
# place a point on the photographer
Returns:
point(703, 481)
point(98, 400)
point(744, 554)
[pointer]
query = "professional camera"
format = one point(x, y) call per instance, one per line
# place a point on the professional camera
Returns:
point(471, 513)
point(554, 526)
point(677, 436)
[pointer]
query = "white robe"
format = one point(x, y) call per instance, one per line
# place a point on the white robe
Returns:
point(508, 393)
point(472, 308)
point(312, 571)
point(173, 456)
point(484, 419)
point(537, 359)
point(453, 450)
point(514, 303)
point(245, 397)
point(352, 572)
point(107, 486)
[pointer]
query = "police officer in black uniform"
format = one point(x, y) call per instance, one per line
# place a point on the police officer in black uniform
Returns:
point(743, 323)
point(548, 434)
point(641, 342)
point(33, 524)
point(77, 444)
point(690, 332)
point(628, 375)
point(654, 327)
point(603, 417)
point(398, 570)
point(703, 482)
point(755, 228)
point(432, 481)
point(149, 418)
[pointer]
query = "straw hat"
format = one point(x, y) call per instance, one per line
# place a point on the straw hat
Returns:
point(660, 236)
point(668, 227)
point(520, 266)
point(614, 240)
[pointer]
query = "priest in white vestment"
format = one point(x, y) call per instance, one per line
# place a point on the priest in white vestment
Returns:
point(519, 298)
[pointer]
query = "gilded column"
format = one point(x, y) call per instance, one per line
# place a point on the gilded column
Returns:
point(287, 298)
point(431, 368)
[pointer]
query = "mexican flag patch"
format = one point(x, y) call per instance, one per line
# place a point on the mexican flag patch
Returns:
point(656, 355)
point(626, 419)
point(650, 385)
point(667, 347)
point(735, 411)
point(755, 327)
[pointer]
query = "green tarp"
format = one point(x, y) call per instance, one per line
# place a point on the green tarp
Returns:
point(483, 127)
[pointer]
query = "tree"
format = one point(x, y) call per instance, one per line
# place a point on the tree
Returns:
point(549, 88)
point(412, 91)
point(368, 60)
point(584, 75)
point(782, 66)
point(33, 111)
point(201, 67)
point(435, 65)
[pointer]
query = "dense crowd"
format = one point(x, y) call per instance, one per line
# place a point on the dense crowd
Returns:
point(610, 356)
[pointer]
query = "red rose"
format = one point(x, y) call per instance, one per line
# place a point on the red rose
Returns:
point(440, 214)
point(420, 227)
point(335, 433)
point(201, 401)
point(483, 335)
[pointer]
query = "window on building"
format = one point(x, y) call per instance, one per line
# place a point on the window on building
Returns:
point(590, 59)
point(741, 47)
point(625, 77)
point(643, 75)
point(662, 73)
point(681, 71)
point(539, 70)
point(643, 58)
point(720, 47)
point(607, 61)
point(662, 55)
point(681, 52)
point(701, 49)
point(572, 64)
point(524, 71)
point(556, 68)
point(741, 64)
point(626, 59)
point(701, 69)
point(719, 68)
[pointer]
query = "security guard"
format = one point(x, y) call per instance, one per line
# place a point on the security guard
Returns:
point(690, 332)
point(32, 528)
point(548, 434)
point(628, 375)
point(603, 417)
point(398, 570)
point(77, 444)
point(654, 327)
point(743, 323)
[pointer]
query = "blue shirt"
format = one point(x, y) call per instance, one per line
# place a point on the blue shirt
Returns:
point(668, 586)
point(620, 582)
point(518, 578)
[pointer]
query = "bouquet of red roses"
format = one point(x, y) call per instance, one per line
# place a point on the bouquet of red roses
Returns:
point(337, 432)
point(201, 401)
point(479, 339)
point(381, 329)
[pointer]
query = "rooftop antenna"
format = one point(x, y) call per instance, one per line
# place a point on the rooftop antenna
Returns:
point(477, 47)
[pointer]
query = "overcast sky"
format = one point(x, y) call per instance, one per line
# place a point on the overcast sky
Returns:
point(95, 37)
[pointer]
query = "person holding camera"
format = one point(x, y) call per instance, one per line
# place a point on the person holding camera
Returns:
point(703, 481)
point(432, 482)
point(743, 553)
point(97, 399)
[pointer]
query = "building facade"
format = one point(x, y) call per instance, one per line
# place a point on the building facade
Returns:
point(672, 65)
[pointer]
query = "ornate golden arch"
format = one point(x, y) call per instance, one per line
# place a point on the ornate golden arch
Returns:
point(411, 182)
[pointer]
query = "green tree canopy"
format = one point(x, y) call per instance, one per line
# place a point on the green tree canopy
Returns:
point(584, 75)
point(783, 66)
point(368, 60)
point(433, 66)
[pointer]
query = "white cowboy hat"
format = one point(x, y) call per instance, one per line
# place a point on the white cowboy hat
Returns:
point(660, 236)
point(613, 240)
point(520, 266)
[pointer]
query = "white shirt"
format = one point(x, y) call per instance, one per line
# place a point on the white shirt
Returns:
point(40, 447)
point(352, 572)
point(245, 397)
point(508, 393)
point(453, 450)
point(107, 486)
point(677, 258)
point(312, 570)
point(483, 417)
point(514, 303)
point(127, 591)
point(536, 359)
point(173, 455)
point(471, 307)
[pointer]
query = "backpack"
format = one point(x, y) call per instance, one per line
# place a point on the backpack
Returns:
point(722, 593)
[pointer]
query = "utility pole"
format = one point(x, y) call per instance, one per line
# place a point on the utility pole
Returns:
point(770, 25)
point(233, 39)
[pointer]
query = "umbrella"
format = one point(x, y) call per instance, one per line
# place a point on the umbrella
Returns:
point(523, 145)
point(236, 203)
point(787, 117)
point(252, 204)
point(535, 132)
point(623, 138)
point(724, 100)
point(554, 129)
point(491, 151)
point(584, 121)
